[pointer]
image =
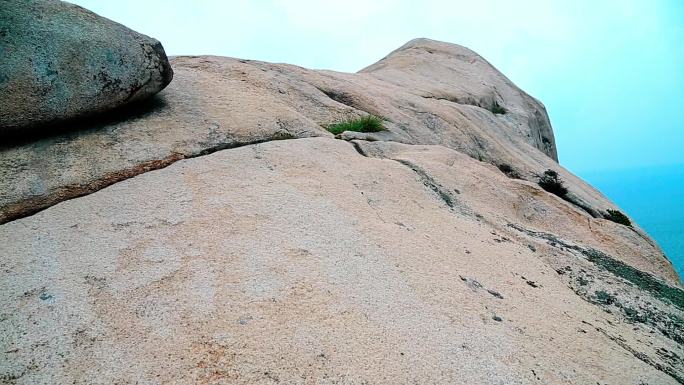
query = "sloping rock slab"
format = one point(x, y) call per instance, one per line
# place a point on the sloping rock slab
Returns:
point(303, 261)
point(216, 103)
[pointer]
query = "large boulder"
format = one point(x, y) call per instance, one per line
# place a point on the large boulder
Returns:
point(59, 61)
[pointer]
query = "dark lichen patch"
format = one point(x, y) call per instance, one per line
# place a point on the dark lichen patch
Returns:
point(668, 355)
point(11, 377)
point(495, 293)
point(536, 376)
point(638, 278)
point(668, 324)
point(602, 297)
point(633, 309)
point(636, 297)
point(431, 183)
point(475, 286)
point(471, 283)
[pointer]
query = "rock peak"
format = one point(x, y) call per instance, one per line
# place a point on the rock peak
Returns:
point(455, 73)
point(428, 44)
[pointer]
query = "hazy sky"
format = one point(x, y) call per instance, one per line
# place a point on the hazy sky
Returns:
point(610, 72)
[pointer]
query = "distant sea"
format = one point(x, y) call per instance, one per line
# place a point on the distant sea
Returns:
point(654, 198)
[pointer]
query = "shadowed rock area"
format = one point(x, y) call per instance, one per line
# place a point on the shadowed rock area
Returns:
point(220, 234)
point(59, 61)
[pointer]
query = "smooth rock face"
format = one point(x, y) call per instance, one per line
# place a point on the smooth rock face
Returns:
point(59, 61)
point(216, 103)
point(264, 250)
point(443, 71)
point(303, 261)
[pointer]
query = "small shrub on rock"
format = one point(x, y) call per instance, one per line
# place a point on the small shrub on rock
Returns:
point(497, 109)
point(509, 171)
point(618, 217)
point(552, 183)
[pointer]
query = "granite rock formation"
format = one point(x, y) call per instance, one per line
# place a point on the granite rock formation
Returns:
point(219, 234)
point(59, 61)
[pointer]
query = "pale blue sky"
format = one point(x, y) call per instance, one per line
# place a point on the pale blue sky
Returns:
point(610, 72)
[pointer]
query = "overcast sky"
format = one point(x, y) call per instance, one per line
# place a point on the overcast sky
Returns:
point(610, 72)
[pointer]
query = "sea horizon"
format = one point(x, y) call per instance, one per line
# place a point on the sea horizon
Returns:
point(652, 197)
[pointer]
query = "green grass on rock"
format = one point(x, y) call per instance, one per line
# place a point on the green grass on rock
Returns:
point(370, 123)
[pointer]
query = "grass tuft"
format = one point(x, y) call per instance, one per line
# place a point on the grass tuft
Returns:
point(370, 123)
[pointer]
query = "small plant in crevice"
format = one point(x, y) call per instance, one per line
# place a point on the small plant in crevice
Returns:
point(509, 171)
point(497, 109)
point(369, 123)
point(618, 217)
point(552, 183)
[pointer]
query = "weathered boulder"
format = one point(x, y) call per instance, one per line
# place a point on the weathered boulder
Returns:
point(59, 61)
